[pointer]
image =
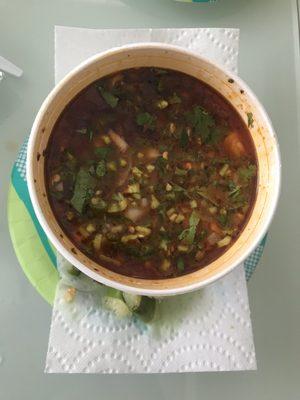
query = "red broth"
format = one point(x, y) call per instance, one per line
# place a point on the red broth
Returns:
point(151, 173)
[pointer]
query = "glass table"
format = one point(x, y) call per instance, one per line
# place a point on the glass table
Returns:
point(269, 62)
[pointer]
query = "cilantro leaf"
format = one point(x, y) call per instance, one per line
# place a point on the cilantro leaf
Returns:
point(201, 121)
point(223, 219)
point(146, 120)
point(160, 86)
point(250, 120)
point(179, 191)
point(109, 98)
point(183, 235)
point(188, 235)
point(102, 152)
point(162, 148)
point(184, 138)
point(161, 164)
point(101, 168)
point(204, 125)
point(99, 205)
point(174, 99)
point(90, 134)
point(180, 264)
point(143, 251)
point(246, 173)
point(216, 134)
point(234, 190)
point(86, 131)
point(194, 219)
point(84, 184)
point(180, 172)
point(178, 188)
point(203, 192)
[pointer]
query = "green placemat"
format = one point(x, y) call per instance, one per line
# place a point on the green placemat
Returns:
point(35, 253)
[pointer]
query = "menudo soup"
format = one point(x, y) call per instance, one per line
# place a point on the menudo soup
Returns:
point(151, 173)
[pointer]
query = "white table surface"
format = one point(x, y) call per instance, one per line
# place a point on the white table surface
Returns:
point(269, 62)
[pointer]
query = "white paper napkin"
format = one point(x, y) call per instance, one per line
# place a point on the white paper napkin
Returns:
point(209, 330)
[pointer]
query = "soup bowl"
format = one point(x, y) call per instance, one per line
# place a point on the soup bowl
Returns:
point(238, 94)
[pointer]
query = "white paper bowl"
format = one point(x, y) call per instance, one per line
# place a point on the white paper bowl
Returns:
point(231, 87)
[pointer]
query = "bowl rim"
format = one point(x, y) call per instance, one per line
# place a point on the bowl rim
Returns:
point(67, 254)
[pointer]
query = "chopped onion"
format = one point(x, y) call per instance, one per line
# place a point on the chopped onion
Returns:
point(124, 173)
point(224, 242)
point(136, 213)
point(144, 202)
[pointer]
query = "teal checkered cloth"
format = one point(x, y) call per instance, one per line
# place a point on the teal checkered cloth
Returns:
point(252, 261)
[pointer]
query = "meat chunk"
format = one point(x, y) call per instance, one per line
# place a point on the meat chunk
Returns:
point(234, 146)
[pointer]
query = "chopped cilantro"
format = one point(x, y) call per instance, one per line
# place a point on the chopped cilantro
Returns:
point(86, 131)
point(216, 133)
point(102, 152)
point(162, 148)
point(109, 98)
point(161, 209)
point(184, 138)
point(220, 160)
point(178, 188)
point(99, 205)
point(146, 120)
point(180, 172)
point(90, 133)
point(188, 235)
point(246, 173)
point(143, 251)
point(84, 184)
point(174, 99)
point(234, 190)
point(194, 219)
point(201, 121)
point(202, 236)
point(204, 125)
point(223, 219)
point(160, 85)
point(71, 161)
point(161, 164)
point(101, 168)
point(203, 192)
point(180, 264)
point(250, 120)
point(179, 191)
